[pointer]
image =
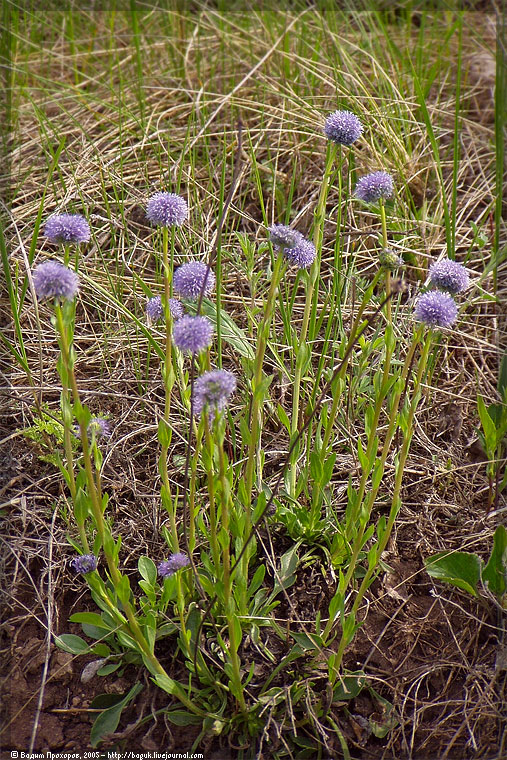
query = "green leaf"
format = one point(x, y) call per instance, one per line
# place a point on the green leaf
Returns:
point(350, 686)
point(164, 434)
point(71, 643)
point(461, 569)
point(288, 565)
point(107, 669)
point(122, 588)
point(308, 641)
point(182, 718)
point(87, 617)
point(107, 721)
point(94, 632)
point(230, 331)
point(101, 650)
point(282, 416)
point(256, 581)
point(488, 426)
point(502, 378)
point(494, 574)
point(148, 570)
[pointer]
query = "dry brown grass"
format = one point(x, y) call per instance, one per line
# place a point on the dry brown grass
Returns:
point(429, 649)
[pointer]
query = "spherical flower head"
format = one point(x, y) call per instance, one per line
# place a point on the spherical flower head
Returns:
point(282, 236)
point(190, 278)
point(373, 187)
point(449, 275)
point(302, 255)
point(67, 228)
point(84, 564)
point(389, 259)
point(52, 280)
point(175, 562)
point(343, 127)
point(99, 427)
point(192, 334)
point(436, 309)
point(296, 248)
point(167, 209)
point(154, 310)
point(212, 391)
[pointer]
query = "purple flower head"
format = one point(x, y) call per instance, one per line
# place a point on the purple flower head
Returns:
point(436, 309)
point(343, 127)
point(99, 427)
point(373, 187)
point(166, 209)
point(154, 310)
point(449, 275)
point(189, 279)
point(302, 255)
point(192, 334)
point(86, 563)
point(282, 236)
point(67, 228)
point(212, 391)
point(175, 562)
point(52, 280)
point(296, 248)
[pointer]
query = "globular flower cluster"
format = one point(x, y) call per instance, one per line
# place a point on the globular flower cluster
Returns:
point(67, 228)
point(212, 391)
point(295, 247)
point(53, 280)
point(373, 187)
point(192, 334)
point(154, 310)
point(436, 309)
point(449, 276)
point(99, 427)
point(175, 562)
point(193, 277)
point(343, 127)
point(85, 563)
point(167, 209)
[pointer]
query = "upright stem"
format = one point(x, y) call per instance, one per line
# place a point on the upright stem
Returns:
point(318, 236)
point(215, 552)
point(257, 400)
point(385, 244)
point(337, 395)
point(226, 564)
point(102, 530)
point(395, 501)
point(169, 378)
point(257, 380)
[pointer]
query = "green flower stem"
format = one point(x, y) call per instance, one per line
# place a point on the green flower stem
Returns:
point(395, 501)
point(372, 495)
point(255, 415)
point(192, 514)
point(225, 497)
point(318, 235)
point(210, 448)
point(385, 245)
point(169, 379)
point(336, 383)
point(257, 399)
point(102, 530)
